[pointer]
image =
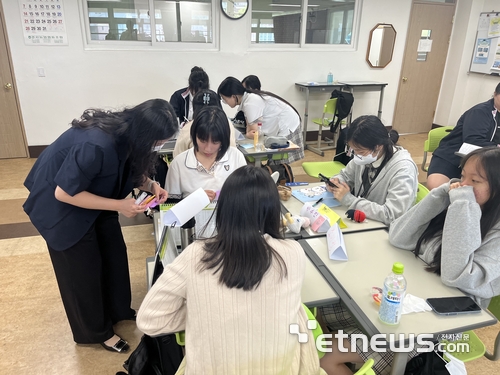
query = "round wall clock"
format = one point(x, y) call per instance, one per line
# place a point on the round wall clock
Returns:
point(234, 9)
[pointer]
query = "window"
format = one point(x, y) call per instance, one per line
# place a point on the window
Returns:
point(280, 21)
point(186, 21)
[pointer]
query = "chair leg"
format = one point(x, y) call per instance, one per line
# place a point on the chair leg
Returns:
point(424, 168)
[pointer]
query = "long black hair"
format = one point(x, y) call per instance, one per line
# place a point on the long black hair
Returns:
point(488, 158)
point(369, 132)
point(211, 123)
point(251, 82)
point(231, 86)
point(140, 127)
point(198, 80)
point(248, 208)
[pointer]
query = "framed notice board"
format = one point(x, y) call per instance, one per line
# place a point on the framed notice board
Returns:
point(486, 54)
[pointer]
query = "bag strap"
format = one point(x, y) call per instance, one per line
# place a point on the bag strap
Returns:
point(289, 172)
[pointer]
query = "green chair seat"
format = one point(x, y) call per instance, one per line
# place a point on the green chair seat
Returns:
point(433, 140)
point(327, 168)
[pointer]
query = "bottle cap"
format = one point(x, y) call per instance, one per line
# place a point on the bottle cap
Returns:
point(398, 268)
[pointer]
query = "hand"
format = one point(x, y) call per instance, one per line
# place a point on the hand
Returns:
point(211, 194)
point(160, 193)
point(455, 185)
point(342, 189)
point(128, 208)
point(330, 188)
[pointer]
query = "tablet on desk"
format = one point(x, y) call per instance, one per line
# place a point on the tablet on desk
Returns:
point(453, 305)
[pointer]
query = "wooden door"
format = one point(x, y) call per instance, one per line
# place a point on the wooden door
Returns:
point(421, 80)
point(12, 137)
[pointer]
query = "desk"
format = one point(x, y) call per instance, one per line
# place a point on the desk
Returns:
point(350, 86)
point(168, 147)
point(267, 153)
point(372, 256)
point(293, 205)
point(315, 290)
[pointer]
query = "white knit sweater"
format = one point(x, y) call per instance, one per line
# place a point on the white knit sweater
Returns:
point(231, 331)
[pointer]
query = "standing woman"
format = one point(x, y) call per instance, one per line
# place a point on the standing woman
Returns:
point(278, 117)
point(237, 293)
point(77, 187)
point(182, 99)
point(381, 179)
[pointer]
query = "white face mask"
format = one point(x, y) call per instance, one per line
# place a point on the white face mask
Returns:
point(455, 366)
point(157, 148)
point(364, 159)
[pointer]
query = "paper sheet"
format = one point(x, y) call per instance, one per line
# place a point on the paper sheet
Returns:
point(185, 209)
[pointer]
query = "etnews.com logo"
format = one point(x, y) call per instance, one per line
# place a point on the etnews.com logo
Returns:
point(378, 343)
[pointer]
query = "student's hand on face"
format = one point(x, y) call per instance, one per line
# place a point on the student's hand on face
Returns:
point(128, 208)
point(455, 185)
point(342, 189)
point(211, 194)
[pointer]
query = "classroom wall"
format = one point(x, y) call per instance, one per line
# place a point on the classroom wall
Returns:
point(79, 78)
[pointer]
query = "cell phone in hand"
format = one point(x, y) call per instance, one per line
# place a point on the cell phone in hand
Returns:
point(453, 305)
point(326, 180)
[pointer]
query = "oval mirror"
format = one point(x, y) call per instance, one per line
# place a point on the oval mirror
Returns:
point(381, 45)
point(234, 9)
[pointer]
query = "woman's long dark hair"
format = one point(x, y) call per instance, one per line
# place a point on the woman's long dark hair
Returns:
point(198, 80)
point(231, 86)
point(140, 127)
point(248, 208)
point(369, 132)
point(488, 158)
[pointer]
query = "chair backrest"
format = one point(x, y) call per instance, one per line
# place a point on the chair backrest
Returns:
point(422, 191)
point(316, 331)
point(366, 369)
point(330, 107)
point(435, 136)
point(494, 306)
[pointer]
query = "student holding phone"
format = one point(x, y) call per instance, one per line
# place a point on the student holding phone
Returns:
point(381, 179)
point(455, 229)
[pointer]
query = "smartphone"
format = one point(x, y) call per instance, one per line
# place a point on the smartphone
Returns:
point(326, 180)
point(453, 305)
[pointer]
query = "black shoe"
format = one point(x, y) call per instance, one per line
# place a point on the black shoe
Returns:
point(120, 347)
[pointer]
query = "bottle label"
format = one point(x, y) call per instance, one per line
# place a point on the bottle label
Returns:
point(391, 306)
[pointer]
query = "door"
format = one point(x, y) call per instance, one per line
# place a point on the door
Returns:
point(422, 72)
point(12, 137)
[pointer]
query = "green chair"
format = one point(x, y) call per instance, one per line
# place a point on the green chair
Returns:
point(433, 140)
point(327, 168)
point(329, 110)
point(180, 337)
point(366, 369)
point(422, 191)
point(316, 331)
point(281, 156)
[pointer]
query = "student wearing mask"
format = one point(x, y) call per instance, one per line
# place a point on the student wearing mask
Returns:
point(278, 117)
point(477, 126)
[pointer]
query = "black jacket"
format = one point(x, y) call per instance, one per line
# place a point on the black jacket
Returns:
point(476, 126)
point(180, 101)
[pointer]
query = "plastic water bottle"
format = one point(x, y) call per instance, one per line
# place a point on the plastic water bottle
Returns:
point(260, 138)
point(329, 78)
point(393, 295)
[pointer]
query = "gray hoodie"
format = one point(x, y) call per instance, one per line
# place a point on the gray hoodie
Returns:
point(467, 262)
point(392, 193)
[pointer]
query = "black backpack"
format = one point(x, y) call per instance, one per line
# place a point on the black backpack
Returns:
point(344, 105)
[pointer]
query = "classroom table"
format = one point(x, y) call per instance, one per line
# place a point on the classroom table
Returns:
point(350, 86)
point(168, 147)
point(370, 260)
point(315, 290)
point(265, 154)
point(293, 205)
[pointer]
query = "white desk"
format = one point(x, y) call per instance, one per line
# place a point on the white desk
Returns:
point(371, 257)
point(316, 291)
point(293, 205)
point(168, 147)
point(259, 155)
point(350, 86)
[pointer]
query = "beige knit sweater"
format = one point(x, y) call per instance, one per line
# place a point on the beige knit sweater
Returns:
point(231, 331)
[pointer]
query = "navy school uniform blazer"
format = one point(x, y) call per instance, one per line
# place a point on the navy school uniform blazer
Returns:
point(79, 160)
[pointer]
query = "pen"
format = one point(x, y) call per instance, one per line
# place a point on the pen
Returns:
point(317, 202)
point(149, 199)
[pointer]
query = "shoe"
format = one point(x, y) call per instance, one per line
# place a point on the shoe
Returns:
point(121, 346)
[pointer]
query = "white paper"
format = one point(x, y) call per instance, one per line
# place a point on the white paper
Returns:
point(319, 223)
point(185, 209)
point(466, 148)
point(335, 243)
point(424, 45)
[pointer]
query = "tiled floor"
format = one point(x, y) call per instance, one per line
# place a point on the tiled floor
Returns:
point(35, 337)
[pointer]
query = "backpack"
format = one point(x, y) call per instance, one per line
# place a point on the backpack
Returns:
point(428, 363)
point(285, 171)
point(344, 105)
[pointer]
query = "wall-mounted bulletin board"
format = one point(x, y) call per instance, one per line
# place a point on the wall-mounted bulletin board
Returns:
point(486, 54)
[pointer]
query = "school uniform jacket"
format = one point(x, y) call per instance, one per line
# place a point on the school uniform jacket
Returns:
point(180, 101)
point(79, 160)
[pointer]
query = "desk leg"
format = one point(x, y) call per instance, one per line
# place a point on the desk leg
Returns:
point(306, 118)
point(399, 363)
point(380, 101)
point(258, 161)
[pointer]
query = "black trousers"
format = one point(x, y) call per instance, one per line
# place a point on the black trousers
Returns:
point(94, 280)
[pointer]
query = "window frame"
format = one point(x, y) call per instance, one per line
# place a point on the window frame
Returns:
point(152, 45)
point(356, 24)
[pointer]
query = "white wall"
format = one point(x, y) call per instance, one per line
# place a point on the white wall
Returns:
point(460, 89)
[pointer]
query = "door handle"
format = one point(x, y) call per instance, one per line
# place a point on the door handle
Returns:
point(405, 79)
point(8, 86)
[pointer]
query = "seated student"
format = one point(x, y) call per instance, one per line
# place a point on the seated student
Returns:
point(477, 126)
point(182, 100)
point(381, 179)
point(278, 117)
point(221, 297)
point(211, 160)
point(455, 229)
point(202, 98)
